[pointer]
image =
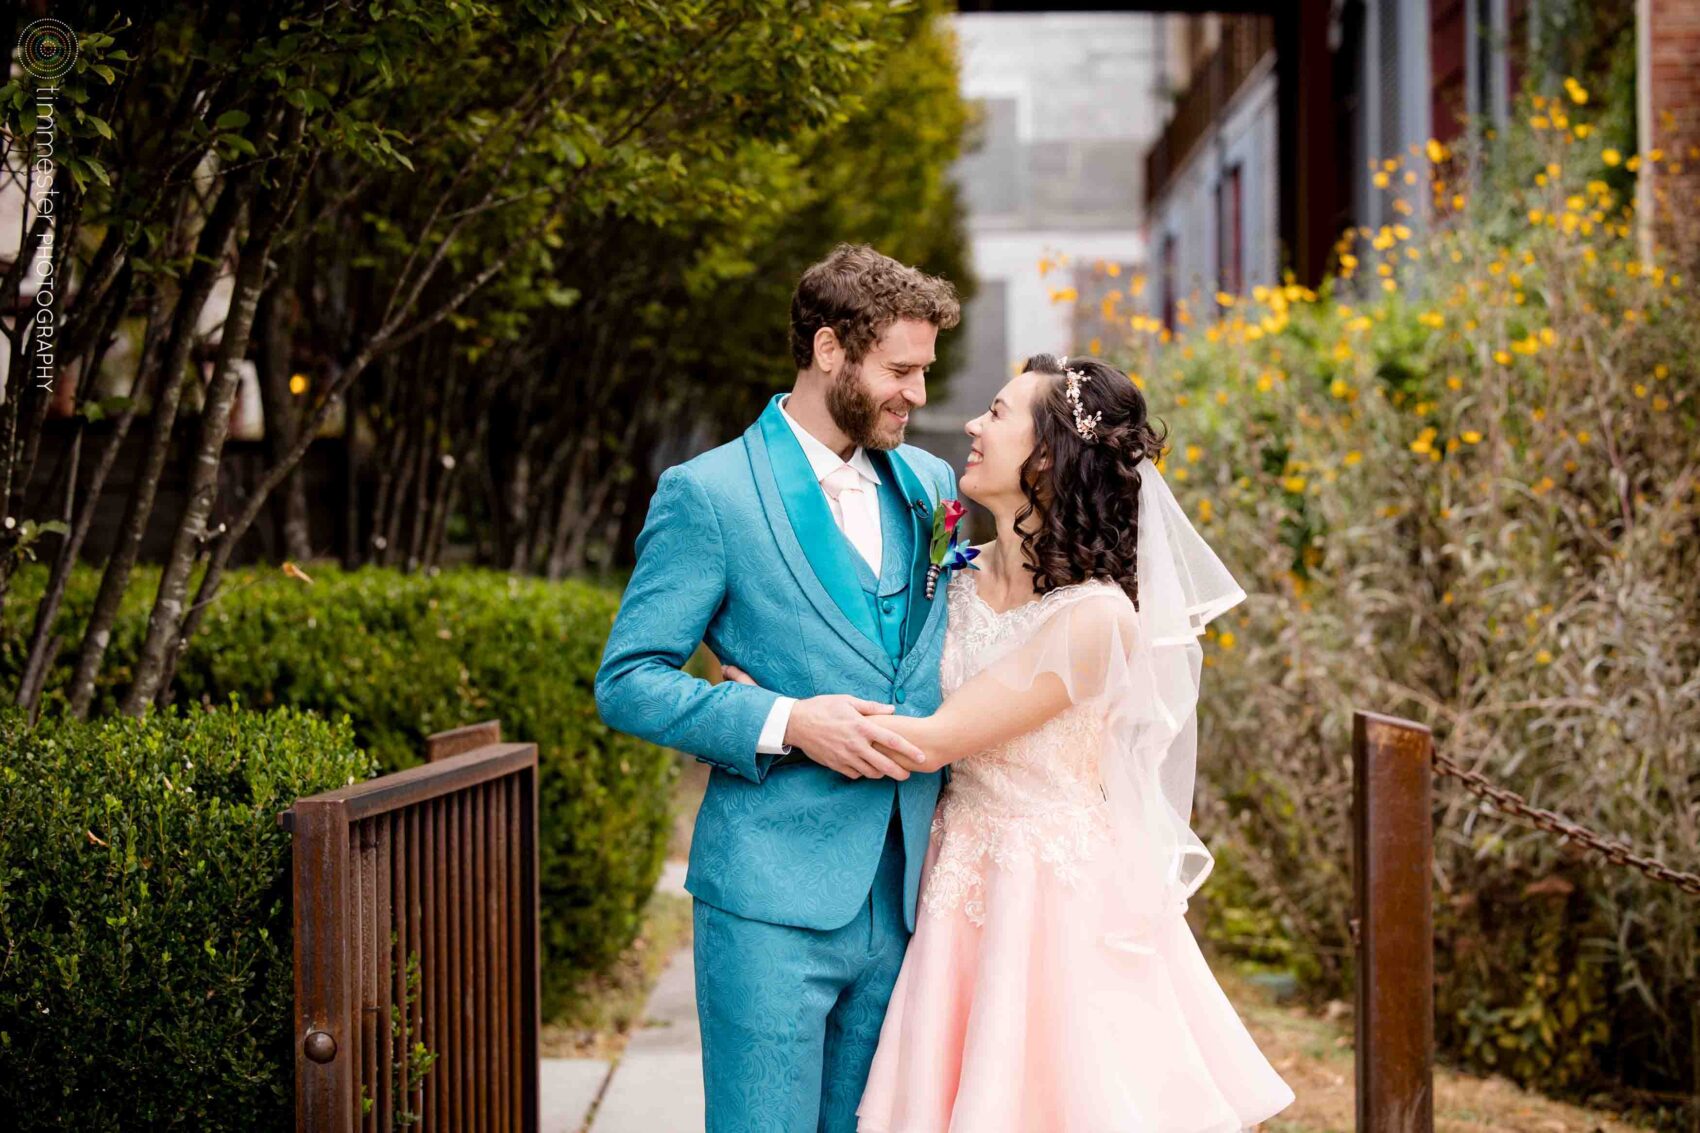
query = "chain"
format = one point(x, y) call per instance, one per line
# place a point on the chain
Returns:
point(1614, 851)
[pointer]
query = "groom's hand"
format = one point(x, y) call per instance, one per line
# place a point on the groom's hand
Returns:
point(844, 734)
point(840, 732)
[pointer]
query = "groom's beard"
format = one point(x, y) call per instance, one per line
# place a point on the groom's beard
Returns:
point(859, 416)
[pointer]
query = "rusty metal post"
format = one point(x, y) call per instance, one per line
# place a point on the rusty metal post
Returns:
point(325, 1048)
point(1393, 925)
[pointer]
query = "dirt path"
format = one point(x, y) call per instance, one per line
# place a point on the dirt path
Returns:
point(1314, 1054)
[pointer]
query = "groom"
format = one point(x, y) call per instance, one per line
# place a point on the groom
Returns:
point(799, 551)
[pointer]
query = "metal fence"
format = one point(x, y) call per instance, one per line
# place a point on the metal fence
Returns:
point(1394, 763)
point(416, 945)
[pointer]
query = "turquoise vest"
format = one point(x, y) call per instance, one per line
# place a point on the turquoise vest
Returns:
point(879, 606)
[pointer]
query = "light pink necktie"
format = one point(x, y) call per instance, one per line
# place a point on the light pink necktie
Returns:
point(843, 486)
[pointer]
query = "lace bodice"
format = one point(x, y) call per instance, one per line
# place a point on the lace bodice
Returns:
point(1033, 800)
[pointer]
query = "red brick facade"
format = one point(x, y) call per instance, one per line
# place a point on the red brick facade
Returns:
point(1672, 55)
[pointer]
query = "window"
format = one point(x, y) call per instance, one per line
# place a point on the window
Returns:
point(1167, 280)
point(1230, 230)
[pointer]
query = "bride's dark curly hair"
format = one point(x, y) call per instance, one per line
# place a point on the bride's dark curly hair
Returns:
point(1084, 495)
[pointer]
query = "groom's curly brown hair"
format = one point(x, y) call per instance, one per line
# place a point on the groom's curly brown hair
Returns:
point(858, 293)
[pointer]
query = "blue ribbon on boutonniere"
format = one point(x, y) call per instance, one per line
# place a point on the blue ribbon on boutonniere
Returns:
point(945, 552)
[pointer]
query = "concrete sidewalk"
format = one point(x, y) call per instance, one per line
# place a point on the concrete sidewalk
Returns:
point(656, 1087)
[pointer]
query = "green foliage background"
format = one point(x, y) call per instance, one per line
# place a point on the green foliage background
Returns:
point(404, 656)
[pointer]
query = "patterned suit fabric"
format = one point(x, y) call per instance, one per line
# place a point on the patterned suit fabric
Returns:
point(806, 882)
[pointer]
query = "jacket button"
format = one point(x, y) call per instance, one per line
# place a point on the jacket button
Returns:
point(899, 696)
point(887, 606)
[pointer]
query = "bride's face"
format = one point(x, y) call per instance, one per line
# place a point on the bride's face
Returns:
point(1003, 439)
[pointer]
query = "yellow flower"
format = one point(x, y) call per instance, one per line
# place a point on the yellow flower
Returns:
point(1503, 358)
point(1351, 459)
point(1224, 299)
point(1661, 371)
point(1583, 437)
point(1454, 382)
point(298, 384)
point(1583, 129)
point(1543, 658)
point(1424, 442)
point(1610, 156)
point(1660, 404)
point(1294, 484)
point(1539, 122)
point(1390, 285)
point(1205, 511)
point(1340, 388)
point(1471, 437)
point(1096, 346)
point(1226, 641)
point(1380, 179)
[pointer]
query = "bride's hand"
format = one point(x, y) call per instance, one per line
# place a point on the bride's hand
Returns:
point(905, 760)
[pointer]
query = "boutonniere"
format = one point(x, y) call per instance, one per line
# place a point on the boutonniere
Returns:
point(946, 553)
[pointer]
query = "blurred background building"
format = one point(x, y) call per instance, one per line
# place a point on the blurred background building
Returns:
point(1067, 106)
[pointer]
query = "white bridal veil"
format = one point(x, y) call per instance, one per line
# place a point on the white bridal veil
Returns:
point(1143, 667)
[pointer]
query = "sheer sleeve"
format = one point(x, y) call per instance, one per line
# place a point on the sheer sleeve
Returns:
point(1140, 668)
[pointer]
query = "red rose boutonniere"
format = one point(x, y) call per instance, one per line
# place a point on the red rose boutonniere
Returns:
point(946, 553)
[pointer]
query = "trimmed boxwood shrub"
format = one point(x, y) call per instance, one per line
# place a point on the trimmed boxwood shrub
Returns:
point(406, 655)
point(146, 974)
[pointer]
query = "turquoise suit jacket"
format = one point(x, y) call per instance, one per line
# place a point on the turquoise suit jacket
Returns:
point(740, 550)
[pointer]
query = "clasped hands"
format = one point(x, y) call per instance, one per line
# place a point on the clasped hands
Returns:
point(844, 733)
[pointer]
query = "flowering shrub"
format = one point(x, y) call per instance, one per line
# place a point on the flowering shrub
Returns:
point(1461, 482)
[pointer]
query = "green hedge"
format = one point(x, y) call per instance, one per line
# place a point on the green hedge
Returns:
point(407, 655)
point(146, 978)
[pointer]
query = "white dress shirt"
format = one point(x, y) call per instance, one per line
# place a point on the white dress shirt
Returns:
point(824, 462)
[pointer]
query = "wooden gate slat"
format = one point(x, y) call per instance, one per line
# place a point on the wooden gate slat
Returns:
point(439, 864)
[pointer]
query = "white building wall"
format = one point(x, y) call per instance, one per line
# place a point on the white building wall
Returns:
point(1246, 136)
point(1070, 105)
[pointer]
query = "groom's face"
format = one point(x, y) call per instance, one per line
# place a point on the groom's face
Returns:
point(871, 400)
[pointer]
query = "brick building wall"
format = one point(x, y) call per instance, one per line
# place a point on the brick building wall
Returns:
point(1670, 111)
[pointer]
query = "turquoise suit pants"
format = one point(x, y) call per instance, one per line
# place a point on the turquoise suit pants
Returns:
point(789, 1033)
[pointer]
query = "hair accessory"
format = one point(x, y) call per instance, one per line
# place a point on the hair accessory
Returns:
point(1084, 424)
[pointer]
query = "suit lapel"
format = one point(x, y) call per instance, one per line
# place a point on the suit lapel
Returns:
point(920, 511)
point(808, 539)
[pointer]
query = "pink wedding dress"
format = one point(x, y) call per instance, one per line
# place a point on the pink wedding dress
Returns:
point(1049, 986)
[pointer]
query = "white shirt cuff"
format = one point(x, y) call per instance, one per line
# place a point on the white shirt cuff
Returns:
point(772, 738)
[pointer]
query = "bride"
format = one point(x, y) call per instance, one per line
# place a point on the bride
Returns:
point(1052, 984)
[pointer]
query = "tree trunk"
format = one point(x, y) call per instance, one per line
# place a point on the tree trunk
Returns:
point(214, 237)
point(158, 661)
point(278, 403)
point(44, 645)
